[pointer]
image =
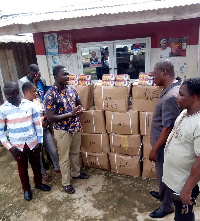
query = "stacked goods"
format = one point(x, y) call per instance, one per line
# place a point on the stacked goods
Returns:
point(115, 80)
point(94, 139)
point(122, 80)
point(144, 98)
point(79, 79)
point(125, 142)
point(86, 94)
point(145, 130)
point(111, 98)
point(145, 79)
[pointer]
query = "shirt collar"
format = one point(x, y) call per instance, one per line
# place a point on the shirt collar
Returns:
point(164, 91)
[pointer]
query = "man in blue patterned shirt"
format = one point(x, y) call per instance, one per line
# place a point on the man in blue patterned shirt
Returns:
point(63, 106)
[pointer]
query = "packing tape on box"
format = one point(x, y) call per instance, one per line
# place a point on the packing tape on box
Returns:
point(116, 162)
point(145, 124)
point(124, 140)
point(140, 149)
point(86, 154)
point(93, 120)
point(113, 142)
point(102, 96)
point(98, 160)
point(111, 123)
point(130, 121)
point(102, 143)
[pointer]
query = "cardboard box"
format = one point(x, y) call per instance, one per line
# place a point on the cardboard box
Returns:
point(125, 144)
point(145, 123)
point(95, 143)
point(146, 150)
point(111, 98)
point(145, 139)
point(122, 123)
point(145, 98)
point(93, 121)
point(86, 94)
point(127, 165)
point(96, 160)
point(149, 170)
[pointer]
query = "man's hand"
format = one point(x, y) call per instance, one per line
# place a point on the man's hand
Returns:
point(80, 110)
point(15, 152)
point(185, 197)
point(153, 155)
point(36, 78)
point(74, 110)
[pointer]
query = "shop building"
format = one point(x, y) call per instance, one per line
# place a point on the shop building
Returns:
point(126, 37)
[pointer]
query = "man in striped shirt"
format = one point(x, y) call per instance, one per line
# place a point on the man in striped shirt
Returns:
point(25, 136)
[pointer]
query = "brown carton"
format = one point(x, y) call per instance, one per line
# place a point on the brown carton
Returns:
point(86, 95)
point(111, 98)
point(93, 121)
point(122, 123)
point(145, 139)
point(125, 144)
point(149, 170)
point(127, 165)
point(145, 98)
point(96, 160)
point(146, 150)
point(95, 143)
point(145, 123)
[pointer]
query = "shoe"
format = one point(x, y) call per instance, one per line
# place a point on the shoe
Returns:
point(81, 176)
point(27, 195)
point(43, 187)
point(46, 177)
point(69, 189)
point(155, 194)
point(159, 213)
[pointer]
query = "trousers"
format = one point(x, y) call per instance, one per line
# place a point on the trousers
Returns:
point(68, 150)
point(33, 156)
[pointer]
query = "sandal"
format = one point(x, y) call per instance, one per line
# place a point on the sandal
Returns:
point(69, 189)
point(82, 176)
point(46, 177)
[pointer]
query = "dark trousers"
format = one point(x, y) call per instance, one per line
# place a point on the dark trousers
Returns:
point(33, 156)
point(165, 192)
point(179, 206)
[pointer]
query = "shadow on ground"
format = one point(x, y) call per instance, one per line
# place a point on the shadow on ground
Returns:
point(104, 196)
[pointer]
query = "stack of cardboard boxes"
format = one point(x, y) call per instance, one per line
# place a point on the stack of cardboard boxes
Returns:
point(115, 136)
point(144, 99)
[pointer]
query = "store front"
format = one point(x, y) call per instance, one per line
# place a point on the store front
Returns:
point(130, 56)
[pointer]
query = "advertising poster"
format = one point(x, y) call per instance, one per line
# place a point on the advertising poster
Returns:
point(65, 43)
point(53, 60)
point(173, 47)
point(95, 58)
point(51, 44)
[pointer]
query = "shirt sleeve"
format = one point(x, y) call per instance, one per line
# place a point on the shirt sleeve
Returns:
point(170, 112)
point(76, 94)
point(49, 103)
point(3, 137)
point(197, 140)
point(38, 125)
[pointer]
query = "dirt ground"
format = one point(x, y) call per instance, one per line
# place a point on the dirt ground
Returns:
point(104, 196)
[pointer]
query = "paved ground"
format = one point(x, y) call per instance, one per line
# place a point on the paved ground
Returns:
point(104, 196)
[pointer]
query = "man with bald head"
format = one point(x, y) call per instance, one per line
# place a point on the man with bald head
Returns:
point(164, 116)
point(25, 135)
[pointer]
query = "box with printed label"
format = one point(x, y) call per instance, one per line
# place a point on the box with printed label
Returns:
point(122, 77)
point(145, 98)
point(93, 121)
point(125, 144)
point(108, 77)
point(122, 123)
point(149, 170)
point(95, 143)
point(145, 123)
point(122, 83)
point(111, 98)
point(86, 94)
point(108, 83)
point(96, 160)
point(123, 164)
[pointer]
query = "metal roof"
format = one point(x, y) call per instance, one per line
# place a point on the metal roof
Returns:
point(92, 9)
point(28, 38)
